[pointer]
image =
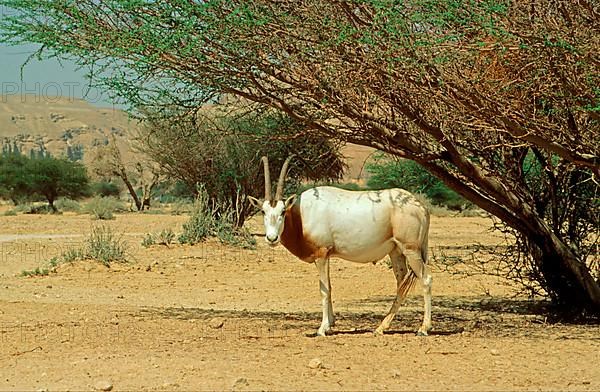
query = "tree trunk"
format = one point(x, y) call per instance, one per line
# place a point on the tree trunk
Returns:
point(134, 196)
point(568, 281)
point(572, 286)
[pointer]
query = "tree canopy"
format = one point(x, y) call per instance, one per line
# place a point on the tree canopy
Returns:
point(22, 178)
point(474, 91)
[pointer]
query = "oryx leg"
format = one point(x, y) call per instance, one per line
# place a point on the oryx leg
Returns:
point(325, 288)
point(399, 266)
point(418, 265)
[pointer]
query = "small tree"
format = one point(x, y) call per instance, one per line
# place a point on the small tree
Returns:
point(13, 181)
point(53, 178)
point(108, 162)
point(22, 178)
point(220, 149)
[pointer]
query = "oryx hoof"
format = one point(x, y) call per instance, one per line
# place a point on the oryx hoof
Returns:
point(421, 333)
point(324, 331)
point(378, 332)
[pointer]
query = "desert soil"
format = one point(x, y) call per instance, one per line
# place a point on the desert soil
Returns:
point(212, 317)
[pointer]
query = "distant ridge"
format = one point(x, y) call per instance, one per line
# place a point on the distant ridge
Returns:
point(55, 124)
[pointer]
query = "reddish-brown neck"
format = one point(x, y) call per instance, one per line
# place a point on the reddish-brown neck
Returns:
point(293, 237)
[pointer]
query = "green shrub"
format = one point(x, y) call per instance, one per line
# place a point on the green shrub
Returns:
point(65, 204)
point(386, 172)
point(200, 225)
point(214, 221)
point(73, 254)
point(106, 189)
point(36, 272)
point(104, 207)
point(164, 237)
point(43, 209)
point(148, 240)
point(11, 212)
point(104, 246)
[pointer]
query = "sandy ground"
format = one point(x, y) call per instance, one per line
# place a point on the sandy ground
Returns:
point(214, 317)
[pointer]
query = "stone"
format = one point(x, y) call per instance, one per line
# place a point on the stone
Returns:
point(216, 323)
point(315, 363)
point(103, 385)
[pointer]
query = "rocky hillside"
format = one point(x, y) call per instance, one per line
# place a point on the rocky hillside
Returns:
point(59, 126)
point(73, 127)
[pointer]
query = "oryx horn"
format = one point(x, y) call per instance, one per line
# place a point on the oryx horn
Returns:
point(265, 161)
point(282, 174)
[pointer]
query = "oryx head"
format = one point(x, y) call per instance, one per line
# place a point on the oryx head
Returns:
point(274, 208)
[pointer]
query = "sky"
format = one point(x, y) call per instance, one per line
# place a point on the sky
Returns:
point(42, 79)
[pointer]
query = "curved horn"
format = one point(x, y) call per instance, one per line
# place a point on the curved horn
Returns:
point(282, 174)
point(265, 161)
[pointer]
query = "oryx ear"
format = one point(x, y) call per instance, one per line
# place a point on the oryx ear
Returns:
point(256, 202)
point(289, 202)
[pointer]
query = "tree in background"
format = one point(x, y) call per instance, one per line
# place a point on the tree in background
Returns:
point(220, 149)
point(22, 178)
point(387, 172)
point(142, 176)
point(470, 90)
point(14, 184)
point(54, 177)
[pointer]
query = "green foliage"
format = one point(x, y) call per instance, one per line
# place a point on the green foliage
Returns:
point(148, 240)
point(103, 207)
point(39, 271)
point(207, 221)
point(42, 210)
point(164, 237)
point(104, 246)
point(221, 149)
point(14, 182)
point(386, 172)
point(66, 204)
point(11, 212)
point(106, 188)
point(22, 178)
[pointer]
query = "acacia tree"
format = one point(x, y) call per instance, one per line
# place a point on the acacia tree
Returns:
point(219, 148)
point(108, 161)
point(471, 90)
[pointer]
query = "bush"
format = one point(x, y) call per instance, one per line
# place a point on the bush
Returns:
point(164, 237)
point(106, 188)
point(43, 209)
point(104, 207)
point(103, 245)
point(210, 221)
point(65, 204)
point(400, 173)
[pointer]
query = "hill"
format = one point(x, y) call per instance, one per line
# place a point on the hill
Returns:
point(60, 125)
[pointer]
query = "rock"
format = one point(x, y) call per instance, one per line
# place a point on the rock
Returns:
point(396, 373)
point(103, 386)
point(216, 323)
point(315, 363)
point(494, 352)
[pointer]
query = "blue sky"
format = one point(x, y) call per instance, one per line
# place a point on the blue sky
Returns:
point(44, 78)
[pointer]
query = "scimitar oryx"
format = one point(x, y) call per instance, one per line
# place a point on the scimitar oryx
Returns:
point(359, 226)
